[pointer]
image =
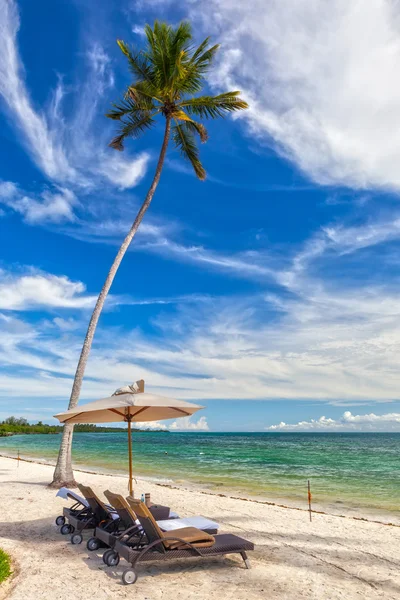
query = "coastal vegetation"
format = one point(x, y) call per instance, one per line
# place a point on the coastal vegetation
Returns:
point(166, 75)
point(5, 565)
point(15, 426)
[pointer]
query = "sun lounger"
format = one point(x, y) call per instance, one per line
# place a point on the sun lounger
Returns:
point(92, 512)
point(188, 542)
point(79, 505)
point(130, 530)
point(126, 524)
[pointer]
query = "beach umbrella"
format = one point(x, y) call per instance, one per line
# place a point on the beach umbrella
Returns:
point(129, 404)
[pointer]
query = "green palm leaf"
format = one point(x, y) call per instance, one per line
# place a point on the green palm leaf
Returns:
point(128, 105)
point(192, 126)
point(185, 142)
point(212, 107)
point(134, 126)
point(138, 64)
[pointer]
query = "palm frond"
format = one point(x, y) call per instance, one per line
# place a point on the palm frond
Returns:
point(192, 80)
point(179, 52)
point(157, 52)
point(181, 39)
point(212, 107)
point(169, 52)
point(185, 143)
point(138, 63)
point(130, 104)
point(191, 125)
point(134, 126)
point(204, 60)
point(198, 128)
point(142, 93)
point(200, 49)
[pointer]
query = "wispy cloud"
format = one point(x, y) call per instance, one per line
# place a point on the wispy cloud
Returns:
point(48, 207)
point(320, 80)
point(248, 265)
point(37, 289)
point(138, 30)
point(348, 422)
point(69, 150)
point(40, 140)
point(124, 173)
point(340, 349)
point(351, 239)
point(32, 289)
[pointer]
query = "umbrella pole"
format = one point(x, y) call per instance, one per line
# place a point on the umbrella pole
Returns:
point(130, 456)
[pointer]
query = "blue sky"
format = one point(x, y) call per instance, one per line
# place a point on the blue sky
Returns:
point(269, 292)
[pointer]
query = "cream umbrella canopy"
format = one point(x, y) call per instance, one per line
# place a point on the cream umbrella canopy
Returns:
point(129, 404)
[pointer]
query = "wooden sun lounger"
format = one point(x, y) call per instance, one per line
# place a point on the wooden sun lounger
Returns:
point(88, 517)
point(107, 533)
point(188, 543)
point(129, 531)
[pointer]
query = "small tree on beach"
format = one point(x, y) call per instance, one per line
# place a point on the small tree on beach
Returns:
point(167, 74)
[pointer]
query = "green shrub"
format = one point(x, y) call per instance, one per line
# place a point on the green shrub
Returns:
point(5, 565)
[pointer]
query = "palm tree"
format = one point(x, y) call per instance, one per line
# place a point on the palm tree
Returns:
point(167, 74)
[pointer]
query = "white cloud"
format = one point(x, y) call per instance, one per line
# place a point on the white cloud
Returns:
point(348, 422)
point(8, 190)
point(150, 425)
point(33, 288)
point(46, 150)
point(36, 289)
point(320, 79)
point(186, 424)
point(48, 207)
point(69, 149)
point(350, 239)
point(342, 348)
point(100, 63)
point(320, 341)
point(249, 265)
point(124, 172)
point(65, 324)
point(138, 30)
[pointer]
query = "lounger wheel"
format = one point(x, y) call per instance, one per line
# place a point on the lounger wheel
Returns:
point(112, 559)
point(66, 529)
point(60, 521)
point(129, 576)
point(106, 553)
point(93, 544)
point(76, 539)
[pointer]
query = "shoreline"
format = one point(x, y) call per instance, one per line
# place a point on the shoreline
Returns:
point(202, 489)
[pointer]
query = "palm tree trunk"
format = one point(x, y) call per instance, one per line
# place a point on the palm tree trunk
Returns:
point(63, 474)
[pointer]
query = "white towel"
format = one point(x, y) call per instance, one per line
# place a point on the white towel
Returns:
point(68, 494)
point(198, 522)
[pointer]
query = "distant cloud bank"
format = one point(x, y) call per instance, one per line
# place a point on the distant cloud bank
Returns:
point(184, 424)
point(348, 422)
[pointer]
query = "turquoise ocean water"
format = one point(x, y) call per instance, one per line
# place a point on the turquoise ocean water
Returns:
point(360, 470)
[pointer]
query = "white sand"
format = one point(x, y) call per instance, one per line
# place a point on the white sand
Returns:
point(330, 558)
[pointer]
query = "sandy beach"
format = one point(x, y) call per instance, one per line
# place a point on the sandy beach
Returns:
point(330, 558)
